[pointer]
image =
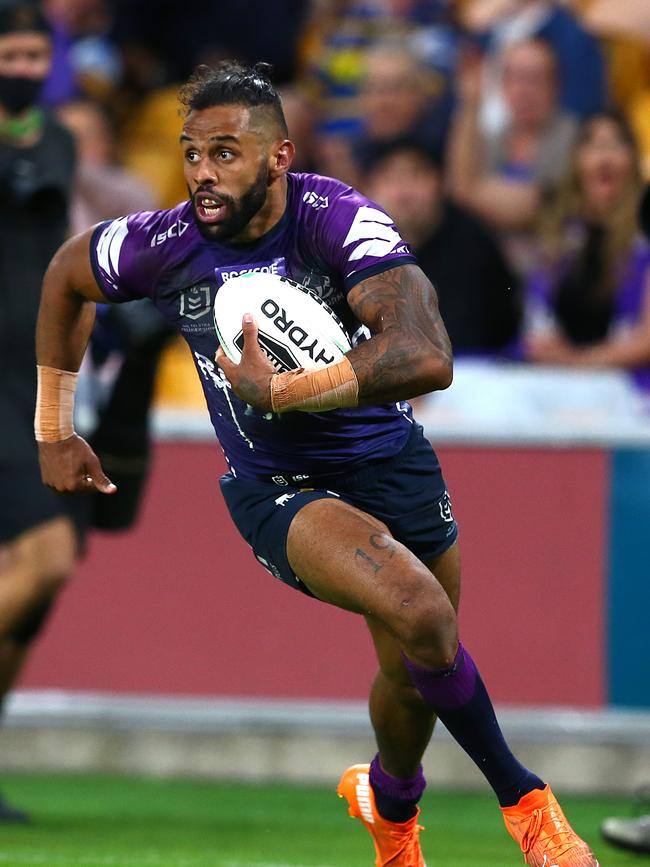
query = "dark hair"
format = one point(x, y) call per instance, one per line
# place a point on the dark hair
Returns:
point(567, 206)
point(232, 83)
point(615, 116)
point(18, 16)
point(376, 153)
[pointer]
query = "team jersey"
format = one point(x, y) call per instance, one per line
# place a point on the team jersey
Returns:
point(329, 238)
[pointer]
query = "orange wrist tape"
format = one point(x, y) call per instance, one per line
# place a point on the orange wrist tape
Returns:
point(315, 390)
point(53, 421)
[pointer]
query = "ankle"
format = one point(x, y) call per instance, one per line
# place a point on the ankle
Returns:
point(395, 798)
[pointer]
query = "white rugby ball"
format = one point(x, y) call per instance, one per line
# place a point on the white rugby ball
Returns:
point(296, 328)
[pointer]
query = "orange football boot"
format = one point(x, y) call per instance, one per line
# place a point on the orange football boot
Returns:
point(397, 844)
point(540, 827)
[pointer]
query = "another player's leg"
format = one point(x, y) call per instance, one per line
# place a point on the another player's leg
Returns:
point(358, 568)
point(628, 833)
point(33, 568)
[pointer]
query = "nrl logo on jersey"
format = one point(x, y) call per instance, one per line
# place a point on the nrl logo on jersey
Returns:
point(196, 302)
point(317, 202)
point(322, 285)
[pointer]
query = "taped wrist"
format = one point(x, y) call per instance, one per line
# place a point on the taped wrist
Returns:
point(331, 387)
point(53, 421)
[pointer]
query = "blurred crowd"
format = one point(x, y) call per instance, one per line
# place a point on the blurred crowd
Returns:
point(509, 140)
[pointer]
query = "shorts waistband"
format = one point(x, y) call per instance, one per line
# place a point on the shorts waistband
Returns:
point(346, 477)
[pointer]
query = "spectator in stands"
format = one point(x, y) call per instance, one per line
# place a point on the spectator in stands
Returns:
point(589, 304)
point(582, 75)
point(103, 190)
point(85, 60)
point(502, 177)
point(394, 100)
point(338, 33)
point(477, 291)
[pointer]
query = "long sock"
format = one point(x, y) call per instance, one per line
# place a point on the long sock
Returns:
point(457, 694)
point(396, 799)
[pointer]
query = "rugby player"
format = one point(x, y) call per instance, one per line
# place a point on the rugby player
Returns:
point(336, 448)
point(39, 536)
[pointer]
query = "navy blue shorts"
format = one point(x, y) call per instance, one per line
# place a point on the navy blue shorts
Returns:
point(407, 492)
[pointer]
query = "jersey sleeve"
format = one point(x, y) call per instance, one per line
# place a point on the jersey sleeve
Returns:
point(118, 255)
point(359, 239)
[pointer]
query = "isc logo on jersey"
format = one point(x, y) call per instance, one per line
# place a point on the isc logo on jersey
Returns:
point(176, 230)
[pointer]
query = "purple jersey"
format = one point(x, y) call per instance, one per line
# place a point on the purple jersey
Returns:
point(329, 238)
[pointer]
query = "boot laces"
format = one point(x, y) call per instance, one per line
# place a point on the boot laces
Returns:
point(409, 840)
point(559, 841)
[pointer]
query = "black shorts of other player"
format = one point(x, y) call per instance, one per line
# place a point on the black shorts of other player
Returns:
point(26, 503)
point(407, 492)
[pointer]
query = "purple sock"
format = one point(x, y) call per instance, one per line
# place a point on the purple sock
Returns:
point(457, 694)
point(396, 799)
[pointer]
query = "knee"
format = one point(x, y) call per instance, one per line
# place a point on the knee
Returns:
point(428, 631)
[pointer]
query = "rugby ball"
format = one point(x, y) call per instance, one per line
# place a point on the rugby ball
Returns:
point(296, 328)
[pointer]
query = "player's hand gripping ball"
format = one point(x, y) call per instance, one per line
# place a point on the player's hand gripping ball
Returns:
point(295, 327)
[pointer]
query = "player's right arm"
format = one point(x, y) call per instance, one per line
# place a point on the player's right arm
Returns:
point(65, 321)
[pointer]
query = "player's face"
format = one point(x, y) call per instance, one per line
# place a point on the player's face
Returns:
point(226, 165)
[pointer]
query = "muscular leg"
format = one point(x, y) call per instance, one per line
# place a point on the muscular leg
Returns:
point(357, 566)
point(402, 721)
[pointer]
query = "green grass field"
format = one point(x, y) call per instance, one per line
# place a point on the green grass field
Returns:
point(126, 822)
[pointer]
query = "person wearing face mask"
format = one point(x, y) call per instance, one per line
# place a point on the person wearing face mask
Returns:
point(38, 539)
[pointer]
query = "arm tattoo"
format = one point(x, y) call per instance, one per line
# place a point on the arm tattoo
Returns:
point(409, 353)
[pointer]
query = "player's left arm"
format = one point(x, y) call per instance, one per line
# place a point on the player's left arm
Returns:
point(409, 353)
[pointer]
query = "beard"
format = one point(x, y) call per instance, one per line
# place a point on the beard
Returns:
point(239, 211)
